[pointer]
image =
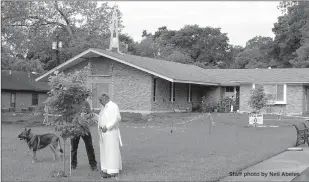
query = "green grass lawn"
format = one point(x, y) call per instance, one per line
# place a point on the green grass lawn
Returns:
point(152, 152)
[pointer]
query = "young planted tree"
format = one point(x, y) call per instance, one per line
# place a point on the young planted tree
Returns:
point(271, 98)
point(67, 91)
point(258, 99)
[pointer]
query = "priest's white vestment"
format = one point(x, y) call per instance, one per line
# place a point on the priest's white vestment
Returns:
point(110, 156)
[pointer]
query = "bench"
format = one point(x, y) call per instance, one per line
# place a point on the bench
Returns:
point(5, 109)
point(24, 110)
point(302, 133)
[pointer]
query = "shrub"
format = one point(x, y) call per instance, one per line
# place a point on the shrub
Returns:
point(258, 99)
point(208, 106)
point(196, 108)
point(226, 104)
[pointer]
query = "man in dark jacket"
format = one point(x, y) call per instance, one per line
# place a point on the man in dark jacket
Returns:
point(83, 107)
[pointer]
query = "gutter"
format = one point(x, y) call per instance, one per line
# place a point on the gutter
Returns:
point(245, 82)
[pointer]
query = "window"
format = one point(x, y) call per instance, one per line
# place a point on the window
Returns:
point(254, 86)
point(172, 92)
point(277, 90)
point(280, 93)
point(13, 100)
point(258, 85)
point(154, 88)
point(35, 99)
point(229, 89)
point(189, 94)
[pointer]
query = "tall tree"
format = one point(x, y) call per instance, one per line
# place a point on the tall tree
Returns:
point(255, 54)
point(29, 27)
point(205, 47)
point(290, 42)
point(146, 48)
point(233, 51)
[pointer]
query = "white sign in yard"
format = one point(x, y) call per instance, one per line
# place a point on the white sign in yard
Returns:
point(255, 119)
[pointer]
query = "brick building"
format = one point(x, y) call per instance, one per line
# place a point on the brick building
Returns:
point(139, 84)
point(19, 90)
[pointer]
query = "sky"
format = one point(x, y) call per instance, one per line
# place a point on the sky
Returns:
point(241, 20)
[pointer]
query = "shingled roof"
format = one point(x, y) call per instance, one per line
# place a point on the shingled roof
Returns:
point(22, 81)
point(171, 71)
point(239, 76)
point(185, 73)
point(178, 72)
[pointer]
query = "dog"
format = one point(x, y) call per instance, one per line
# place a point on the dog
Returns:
point(38, 142)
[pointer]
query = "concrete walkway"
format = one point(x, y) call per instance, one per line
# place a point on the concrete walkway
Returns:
point(304, 176)
point(286, 166)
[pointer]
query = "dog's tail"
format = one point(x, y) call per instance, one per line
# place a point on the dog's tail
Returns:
point(60, 145)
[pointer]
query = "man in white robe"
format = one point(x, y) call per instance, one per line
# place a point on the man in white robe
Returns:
point(109, 135)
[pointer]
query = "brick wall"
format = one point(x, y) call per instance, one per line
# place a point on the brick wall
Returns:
point(5, 99)
point(128, 87)
point(132, 88)
point(214, 94)
point(245, 91)
point(295, 99)
point(163, 103)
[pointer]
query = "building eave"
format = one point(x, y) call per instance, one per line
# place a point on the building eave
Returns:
point(195, 82)
point(272, 82)
point(104, 55)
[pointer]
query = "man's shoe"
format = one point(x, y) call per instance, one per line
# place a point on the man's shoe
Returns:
point(94, 168)
point(114, 175)
point(73, 167)
point(105, 175)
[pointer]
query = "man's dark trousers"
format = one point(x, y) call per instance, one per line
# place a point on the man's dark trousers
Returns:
point(89, 148)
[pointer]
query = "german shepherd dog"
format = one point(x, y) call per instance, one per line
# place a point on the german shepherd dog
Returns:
point(37, 142)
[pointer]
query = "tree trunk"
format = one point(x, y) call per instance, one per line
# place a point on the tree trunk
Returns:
point(70, 160)
point(64, 156)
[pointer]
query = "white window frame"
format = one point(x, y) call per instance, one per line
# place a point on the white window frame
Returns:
point(284, 94)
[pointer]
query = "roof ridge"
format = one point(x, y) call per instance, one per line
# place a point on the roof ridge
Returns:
point(147, 57)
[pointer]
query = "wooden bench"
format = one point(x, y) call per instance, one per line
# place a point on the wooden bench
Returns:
point(302, 133)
